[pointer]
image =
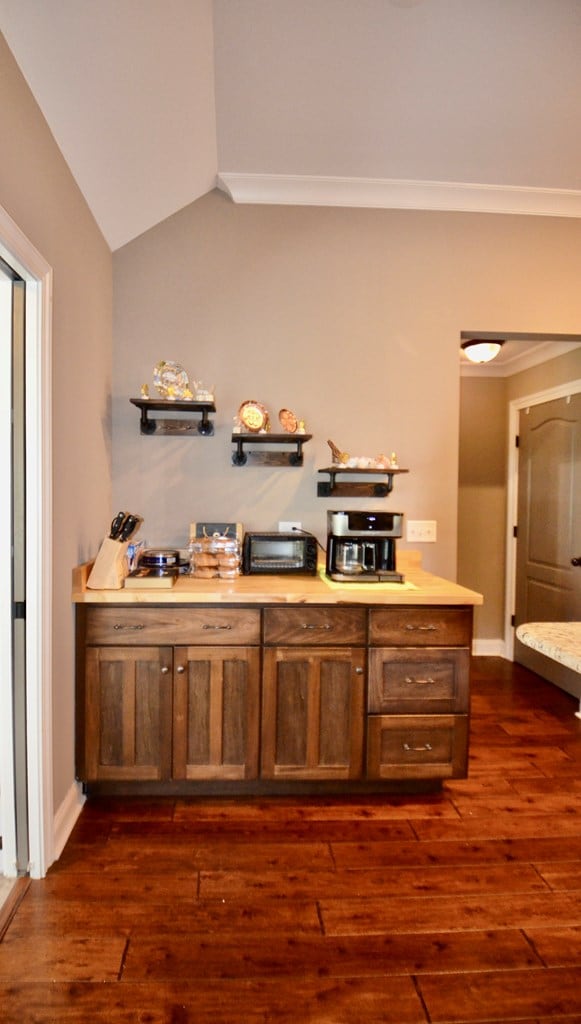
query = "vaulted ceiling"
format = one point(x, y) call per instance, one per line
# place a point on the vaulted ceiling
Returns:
point(442, 104)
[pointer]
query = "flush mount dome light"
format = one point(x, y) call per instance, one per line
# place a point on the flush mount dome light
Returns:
point(478, 350)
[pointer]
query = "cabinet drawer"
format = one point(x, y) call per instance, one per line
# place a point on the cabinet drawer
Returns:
point(425, 627)
point(135, 625)
point(418, 680)
point(320, 625)
point(417, 746)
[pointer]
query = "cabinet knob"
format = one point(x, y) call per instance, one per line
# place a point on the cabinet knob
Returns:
point(180, 669)
point(358, 671)
point(164, 670)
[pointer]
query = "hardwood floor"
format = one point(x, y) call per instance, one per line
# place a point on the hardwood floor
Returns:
point(460, 906)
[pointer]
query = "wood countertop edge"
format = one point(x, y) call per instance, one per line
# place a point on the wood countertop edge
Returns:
point(428, 589)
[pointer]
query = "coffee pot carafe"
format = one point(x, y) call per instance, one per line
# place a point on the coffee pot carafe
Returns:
point(353, 557)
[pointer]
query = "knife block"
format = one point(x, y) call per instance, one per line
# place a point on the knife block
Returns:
point(110, 566)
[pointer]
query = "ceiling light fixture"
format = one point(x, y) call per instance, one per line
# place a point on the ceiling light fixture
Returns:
point(478, 350)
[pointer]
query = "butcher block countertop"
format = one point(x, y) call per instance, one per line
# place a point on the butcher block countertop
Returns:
point(419, 588)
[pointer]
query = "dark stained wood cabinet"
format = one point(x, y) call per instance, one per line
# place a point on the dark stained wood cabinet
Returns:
point(188, 698)
point(216, 712)
point(418, 692)
point(312, 713)
point(128, 713)
point(313, 696)
point(153, 711)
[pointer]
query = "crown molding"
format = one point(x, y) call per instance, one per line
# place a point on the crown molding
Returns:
point(393, 193)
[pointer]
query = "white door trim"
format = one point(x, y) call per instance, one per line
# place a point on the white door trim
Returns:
point(514, 409)
point(19, 252)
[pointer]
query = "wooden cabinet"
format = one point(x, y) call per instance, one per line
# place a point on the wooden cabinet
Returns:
point(418, 692)
point(190, 698)
point(313, 713)
point(151, 709)
point(216, 713)
point(128, 713)
point(313, 696)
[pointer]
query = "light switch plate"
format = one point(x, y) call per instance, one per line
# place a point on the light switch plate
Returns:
point(422, 530)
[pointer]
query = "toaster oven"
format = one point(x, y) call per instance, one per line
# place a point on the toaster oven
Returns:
point(279, 553)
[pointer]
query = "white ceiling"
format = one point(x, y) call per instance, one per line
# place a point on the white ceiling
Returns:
point(446, 104)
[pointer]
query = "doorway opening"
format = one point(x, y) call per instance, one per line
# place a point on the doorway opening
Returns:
point(487, 466)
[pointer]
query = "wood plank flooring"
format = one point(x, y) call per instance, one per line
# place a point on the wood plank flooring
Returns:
point(460, 906)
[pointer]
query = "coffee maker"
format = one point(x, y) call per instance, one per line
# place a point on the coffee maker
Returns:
point(361, 546)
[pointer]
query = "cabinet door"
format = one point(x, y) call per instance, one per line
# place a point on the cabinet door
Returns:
point(216, 712)
point(128, 713)
point(312, 713)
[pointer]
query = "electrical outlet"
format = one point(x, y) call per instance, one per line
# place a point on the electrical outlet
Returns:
point(287, 526)
point(422, 530)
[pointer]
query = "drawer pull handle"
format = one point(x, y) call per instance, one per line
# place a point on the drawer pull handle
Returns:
point(311, 625)
point(206, 626)
point(416, 750)
point(128, 628)
point(422, 629)
point(412, 679)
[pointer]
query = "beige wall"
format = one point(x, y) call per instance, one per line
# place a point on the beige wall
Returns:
point(482, 494)
point(352, 318)
point(482, 499)
point(39, 193)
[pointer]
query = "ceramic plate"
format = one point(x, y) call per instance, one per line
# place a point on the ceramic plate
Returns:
point(253, 416)
point(171, 380)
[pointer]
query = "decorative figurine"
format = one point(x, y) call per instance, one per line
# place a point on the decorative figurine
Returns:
point(204, 393)
point(338, 455)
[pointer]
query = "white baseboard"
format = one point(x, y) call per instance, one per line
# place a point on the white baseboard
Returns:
point(489, 648)
point(66, 817)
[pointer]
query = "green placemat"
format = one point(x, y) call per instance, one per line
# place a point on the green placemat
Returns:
point(394, 588)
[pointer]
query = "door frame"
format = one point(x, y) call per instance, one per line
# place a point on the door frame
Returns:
point(515, 408)
point(22, 255)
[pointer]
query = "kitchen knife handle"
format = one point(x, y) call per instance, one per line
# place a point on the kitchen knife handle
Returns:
point(117, 524)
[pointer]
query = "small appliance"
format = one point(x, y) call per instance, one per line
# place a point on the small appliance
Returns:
point(279, 553)
point(361, 546)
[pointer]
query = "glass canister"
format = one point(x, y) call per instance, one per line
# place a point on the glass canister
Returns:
point(215, 557)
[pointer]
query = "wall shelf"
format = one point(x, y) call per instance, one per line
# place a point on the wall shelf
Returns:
point(356, 488)
point(174, 427)
point(269, 458)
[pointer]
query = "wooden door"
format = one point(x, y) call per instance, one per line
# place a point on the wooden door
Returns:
point(216, 712)
point(312, 713)
point(548, 585)
point(128, 713)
